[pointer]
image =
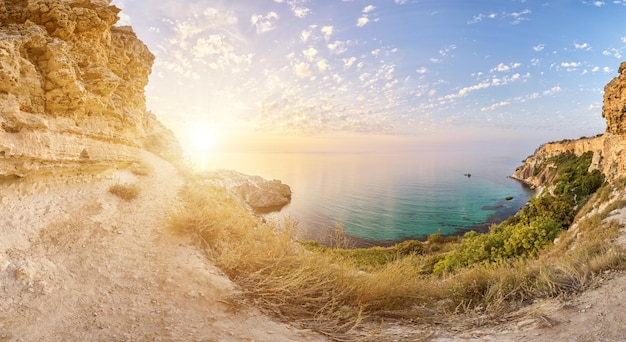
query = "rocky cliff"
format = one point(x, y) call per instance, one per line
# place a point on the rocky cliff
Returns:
point(72, 88)
point(609, 149)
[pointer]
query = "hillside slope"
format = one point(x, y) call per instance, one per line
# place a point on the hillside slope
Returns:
point(81, 264)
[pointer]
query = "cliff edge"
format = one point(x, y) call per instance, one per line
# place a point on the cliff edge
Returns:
point(609, 149)
point(72, 89)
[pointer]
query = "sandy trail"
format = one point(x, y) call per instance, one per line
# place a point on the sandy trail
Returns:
point(78, 263)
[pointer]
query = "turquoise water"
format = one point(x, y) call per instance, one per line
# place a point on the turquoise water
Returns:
point(384, 198)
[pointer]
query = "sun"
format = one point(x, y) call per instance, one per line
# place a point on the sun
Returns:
point(203, 140)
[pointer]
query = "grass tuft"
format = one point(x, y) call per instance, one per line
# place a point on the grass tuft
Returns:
point(127, 192)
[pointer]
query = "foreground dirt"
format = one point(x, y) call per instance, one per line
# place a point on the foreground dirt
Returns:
point(79, 264)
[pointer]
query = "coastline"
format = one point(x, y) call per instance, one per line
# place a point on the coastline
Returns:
point(496, 218)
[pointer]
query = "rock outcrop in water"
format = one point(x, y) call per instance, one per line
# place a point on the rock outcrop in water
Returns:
point(257, 193)
point(72, 89)
point(609, 149)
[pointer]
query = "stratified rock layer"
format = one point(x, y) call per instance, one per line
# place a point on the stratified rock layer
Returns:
point(609, 149)
point(71, 87)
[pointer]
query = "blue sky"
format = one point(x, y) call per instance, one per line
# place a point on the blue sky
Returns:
point(432, 70)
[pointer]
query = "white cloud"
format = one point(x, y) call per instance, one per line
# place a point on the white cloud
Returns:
point(376, 52)
point(369, 8)
point(539, 47)
point(210, 46)
point(296, 7)
point(264, 23)
point(327, 31)
point(337, 47)
point(400, 2)
point(362, 21)
point(598, 3)
point(303, 70)
point(552, 91)
point(322, 65)
point(570, 66)
point(348, 62)
point(613, 52)
point(305, 35)
point(301, 12)
point(422, 70)
point(496, 105)
point(467, 90)
point(445, 52)
point(501, 68)
point(480, 17)
point(583, 46)
point(504, 67)
point(623, 39)
point(518, 17)
point(310, 53)
point(606, 69)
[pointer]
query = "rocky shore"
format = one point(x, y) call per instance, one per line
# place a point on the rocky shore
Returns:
point(258, 194)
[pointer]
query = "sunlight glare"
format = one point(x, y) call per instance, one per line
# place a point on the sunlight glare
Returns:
point(203, 140)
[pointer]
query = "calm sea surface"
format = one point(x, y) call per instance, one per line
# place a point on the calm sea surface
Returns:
point(384, 198)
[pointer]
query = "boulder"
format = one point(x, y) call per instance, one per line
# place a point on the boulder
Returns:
point(257, 193)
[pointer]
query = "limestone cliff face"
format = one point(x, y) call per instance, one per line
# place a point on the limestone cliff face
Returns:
point(71, 87)
point(609, 149)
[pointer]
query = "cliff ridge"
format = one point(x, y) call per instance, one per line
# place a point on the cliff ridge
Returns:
point(71, 88)
point(609, 149)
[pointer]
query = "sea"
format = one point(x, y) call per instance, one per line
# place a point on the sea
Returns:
point(384, 198)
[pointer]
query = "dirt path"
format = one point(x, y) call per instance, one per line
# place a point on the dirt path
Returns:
point(78, 264)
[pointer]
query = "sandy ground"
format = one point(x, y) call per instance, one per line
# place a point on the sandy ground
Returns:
point(79, 264)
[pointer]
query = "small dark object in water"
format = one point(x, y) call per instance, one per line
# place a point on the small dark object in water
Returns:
point(468, 175)
point(492, 207)
point(508, 198)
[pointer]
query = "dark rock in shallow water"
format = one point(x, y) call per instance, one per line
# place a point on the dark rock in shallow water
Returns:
point(492, 207)
point(508, 198)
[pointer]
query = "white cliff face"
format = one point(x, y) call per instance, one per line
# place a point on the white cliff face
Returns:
point(609, 149)
point(71, 87)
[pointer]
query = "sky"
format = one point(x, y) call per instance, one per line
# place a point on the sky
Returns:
point(332, 74)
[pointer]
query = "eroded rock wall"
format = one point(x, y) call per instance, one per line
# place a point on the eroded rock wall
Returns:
point(71, 87)
point(609, 149)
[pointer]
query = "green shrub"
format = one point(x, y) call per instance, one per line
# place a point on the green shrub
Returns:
point(503, 242)
point(409, 247)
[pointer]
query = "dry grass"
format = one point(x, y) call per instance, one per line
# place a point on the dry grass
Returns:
point(332, 293)
point(127, 192)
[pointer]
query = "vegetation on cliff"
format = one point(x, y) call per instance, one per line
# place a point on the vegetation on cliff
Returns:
point(333, 289)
